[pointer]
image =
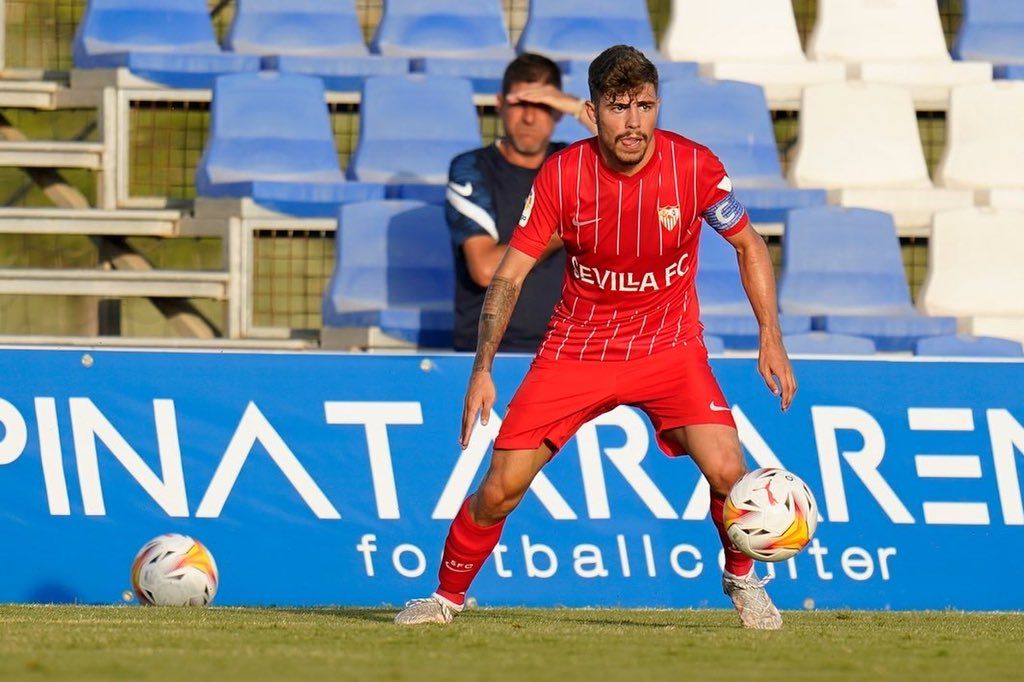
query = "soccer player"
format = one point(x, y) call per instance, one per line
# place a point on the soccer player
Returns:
point(628, 205)
point(484, 199)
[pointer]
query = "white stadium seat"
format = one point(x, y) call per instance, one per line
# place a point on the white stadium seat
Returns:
point(747, 40)
point(974, 271)
point(860, 141)
point(1012, 199)
point(985, 143)
point(899, 42)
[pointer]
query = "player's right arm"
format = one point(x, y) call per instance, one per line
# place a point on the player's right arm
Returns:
point(531, 239)
point(499, 302)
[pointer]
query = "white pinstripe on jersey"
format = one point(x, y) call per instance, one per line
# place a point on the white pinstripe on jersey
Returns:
point(656, 284)
point(618, 220)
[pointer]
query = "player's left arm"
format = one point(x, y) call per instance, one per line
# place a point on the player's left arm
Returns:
point(726, 215)
point(758, 279)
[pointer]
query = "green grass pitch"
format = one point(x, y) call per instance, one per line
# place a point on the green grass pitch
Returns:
point(224, 644)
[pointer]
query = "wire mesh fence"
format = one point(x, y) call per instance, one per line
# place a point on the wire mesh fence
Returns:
point(290, 267)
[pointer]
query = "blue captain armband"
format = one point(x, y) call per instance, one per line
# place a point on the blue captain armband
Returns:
point(726, 214)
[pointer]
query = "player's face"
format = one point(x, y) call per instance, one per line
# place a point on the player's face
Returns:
point(528, 126)
point(625, 127)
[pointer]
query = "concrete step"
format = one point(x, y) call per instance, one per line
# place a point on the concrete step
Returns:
point(115, 283)
point(51, 154)
point(124, 222)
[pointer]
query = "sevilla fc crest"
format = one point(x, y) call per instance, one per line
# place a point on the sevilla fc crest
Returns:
point(668, 216)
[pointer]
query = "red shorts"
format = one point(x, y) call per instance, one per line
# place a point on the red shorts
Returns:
point(674, 388)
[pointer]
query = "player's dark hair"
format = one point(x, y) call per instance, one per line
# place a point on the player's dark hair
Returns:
point(531, 68)
point(620, 70)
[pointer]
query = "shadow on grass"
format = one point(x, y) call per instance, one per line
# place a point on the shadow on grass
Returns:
point(370, 615)
point(519, 618)
point(597, 619)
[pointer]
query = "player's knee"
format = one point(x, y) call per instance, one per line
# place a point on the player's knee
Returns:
point(495, 501)
point(725, 475)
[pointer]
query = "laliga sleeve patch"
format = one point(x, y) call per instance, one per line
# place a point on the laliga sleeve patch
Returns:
point(725, 215)
point(527, 209)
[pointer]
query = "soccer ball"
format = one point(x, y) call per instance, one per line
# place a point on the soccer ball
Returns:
point(174, 570)
point(770, 514)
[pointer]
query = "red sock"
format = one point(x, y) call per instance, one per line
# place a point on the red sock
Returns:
point(736, 562)
point(465, 551)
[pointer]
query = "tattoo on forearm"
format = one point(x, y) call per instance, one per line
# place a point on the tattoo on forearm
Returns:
point(499, 302)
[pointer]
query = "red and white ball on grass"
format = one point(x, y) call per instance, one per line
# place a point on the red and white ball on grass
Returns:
point(174, 570)
point(770, 514)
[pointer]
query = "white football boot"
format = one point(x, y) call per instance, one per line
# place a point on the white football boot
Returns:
point(752, 601)
point(433, 609)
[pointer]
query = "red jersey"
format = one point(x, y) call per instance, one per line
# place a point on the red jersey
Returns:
point(630, 282)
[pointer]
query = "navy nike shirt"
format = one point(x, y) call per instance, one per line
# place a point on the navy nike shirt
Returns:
point(485, 196)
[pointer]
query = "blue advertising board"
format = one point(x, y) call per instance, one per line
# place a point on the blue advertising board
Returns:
point(322, 479)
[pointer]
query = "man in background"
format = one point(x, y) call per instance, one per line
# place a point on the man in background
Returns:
point(487, 189)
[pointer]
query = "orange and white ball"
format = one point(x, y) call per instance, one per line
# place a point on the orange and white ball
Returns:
point(770, 514)
point(174, 570)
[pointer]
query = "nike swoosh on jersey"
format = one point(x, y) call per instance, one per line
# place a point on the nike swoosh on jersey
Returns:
point(465, 190)
point(581, 223)
point(718, 408)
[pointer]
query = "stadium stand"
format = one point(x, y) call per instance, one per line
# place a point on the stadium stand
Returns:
point(448, 38)
point(898, 42)
point(823, 343)
point(169, 42)
point(393, 277)
point(985, 143)
point(762, 47)
point(320, 38)
point(993, 31)
point(573, 32)
point(732, 118)
point(271, 141)
point(974, 271)
point(962, 345)
point(861, 142)
point(406, 149)
point(860, 287)
point(725, 310)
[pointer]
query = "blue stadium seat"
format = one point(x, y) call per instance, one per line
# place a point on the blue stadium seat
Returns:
point(170, 42)
point(271, 140)
point(307, 27)
point(580, 29)
point(667, 70)
point(732, 118)
point(394, 271)
point(573, 32)
point(569, 129)
point(844, 265)
point(400, 146)
point(959, 345)
point(724, 307)
point(448, 38)
point(823, 343)
point(316, 37)
point(993, 31)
